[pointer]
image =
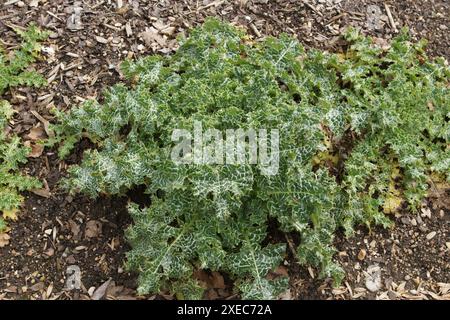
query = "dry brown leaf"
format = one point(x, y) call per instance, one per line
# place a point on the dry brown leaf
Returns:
point(151, 36)
point(286, 295)
point(401, 287)
point(100, 292)
point(382, 43)
point(44, 121)
point(50, 252)
point(281, 271)
point(36, 133)
point(11, 289)
point(74, 228)
point(4, 239)
point(49, 290)
point(36, 149)
point(38, 287)
point(42, 193)
point(361, 254)
point(93, 229)
point(217, 280)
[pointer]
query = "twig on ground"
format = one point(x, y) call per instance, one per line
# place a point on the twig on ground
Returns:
point(313, 9)
point(214, 3)
point(343, 14)
point(255, 30)
point(54, 15)
point(391, 18)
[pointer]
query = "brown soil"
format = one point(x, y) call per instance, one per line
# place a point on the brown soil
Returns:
point(60, 230)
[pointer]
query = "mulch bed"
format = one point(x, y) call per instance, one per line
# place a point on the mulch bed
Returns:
point(56, 229)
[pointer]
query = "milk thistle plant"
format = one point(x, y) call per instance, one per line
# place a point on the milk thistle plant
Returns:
point(360, 134)
point(14, 72)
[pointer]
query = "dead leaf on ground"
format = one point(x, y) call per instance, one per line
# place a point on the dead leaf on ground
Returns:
point(281, 271)
point(286, 295)
point(42, 193)
point(36, 133)
point(11, 289)
point(152, 36)
point(100, 292)
point(50, 252)
point(36, 149)
point(44, 122)
point(4, 239)
point(74, 228)
point(217, 280)
point(207, 280)
point(37, 287)
point(362, 254)
point(119, 292)
point(93, 229)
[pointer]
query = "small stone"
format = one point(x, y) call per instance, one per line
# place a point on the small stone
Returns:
point(20, 4)
point(373, 278)
point(419, 220)
point(443, 27)
point(73, 22)
point(374, 17)
point(71, 259)
point(405, 220)
point(407, 277)
point(431, 235)
point(101, 39)
point(50, 252)
point(116, 40)
point(426, 213)
point(413, 222)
